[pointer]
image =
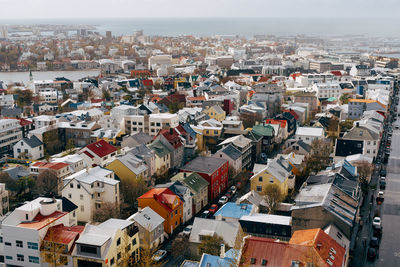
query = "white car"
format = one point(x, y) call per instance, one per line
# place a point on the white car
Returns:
point(377, 223)
point(159, 255)
point(223, 200)
point(187, 230)
point(380, 194)
point(233, 189)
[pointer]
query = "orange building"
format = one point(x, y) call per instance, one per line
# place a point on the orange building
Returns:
point(166, 204)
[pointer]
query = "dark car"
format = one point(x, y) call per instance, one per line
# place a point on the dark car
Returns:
point(382, 172)
point(229, 194)
point(374, 242)
point(382, 184)
point(371, 253)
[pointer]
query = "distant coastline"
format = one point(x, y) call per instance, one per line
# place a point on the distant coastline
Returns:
point(23, 76)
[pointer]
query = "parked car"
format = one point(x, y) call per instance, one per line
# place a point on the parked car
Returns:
point(159, 255)
point(374, 242)
point(382, 172)
point(222, 200)
point(377, 223)
point(238, 185)
point(187, 230)
point(229, 194)
point(233, 189)
point(213, 208)
point(371, 253)
point(382, 183)
point(379, 198)
point(205, 214)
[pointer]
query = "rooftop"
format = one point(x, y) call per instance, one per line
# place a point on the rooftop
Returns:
point(204, 165)
point(233, 210)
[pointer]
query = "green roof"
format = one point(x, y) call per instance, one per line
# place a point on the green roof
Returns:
point(159, 148)
point(263, 130)
point(193, 180)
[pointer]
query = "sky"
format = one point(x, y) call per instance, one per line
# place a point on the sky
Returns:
point(50, 9)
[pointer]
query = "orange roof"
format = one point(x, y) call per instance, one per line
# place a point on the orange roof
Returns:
point(41, 221)
point(164, 196)
point(366, 101)
point(272, 121)
point(52, 165)
point(63, 234)
point(196, 98)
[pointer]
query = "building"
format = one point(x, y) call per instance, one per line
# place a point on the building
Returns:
point(29, 148)
point(243, 145)
point(79, 131)
point(215, 112)
point(327, 90)
point(4, 200)
point(267, 225)
point(150, 124)
point(213, 170)
point(208, 132)
point(172, 139)
point(232, 211)
point(360, 71)
point(10, 133)
point(357, 107)
point(151, 227)
point(167, 204)
point(23, 230)
point(198, 187)
point(163, 157)
point(98, 153)
point(114, 242)
point(309, 134)
point(233, 156)
point(129, 166)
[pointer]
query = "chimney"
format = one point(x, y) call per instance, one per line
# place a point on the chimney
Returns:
point(222, 255)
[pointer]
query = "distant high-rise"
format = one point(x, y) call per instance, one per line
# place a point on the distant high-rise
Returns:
point(108, 35)
point(3, 32)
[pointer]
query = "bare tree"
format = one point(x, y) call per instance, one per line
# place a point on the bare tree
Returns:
point(273, 196)
point(53, 253)
point(147, 251)
point(47, 182)
point(211, 244)
point(364, 171)
point(107, 211)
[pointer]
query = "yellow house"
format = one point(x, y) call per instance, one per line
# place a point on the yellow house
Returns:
point(207, 133)
point(278, 171)
point(215, 112)
point(163, 157)
point(110, 136)
point(116, 243)
point(129, 166)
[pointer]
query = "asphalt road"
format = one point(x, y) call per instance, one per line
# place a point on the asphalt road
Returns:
point(389, 251)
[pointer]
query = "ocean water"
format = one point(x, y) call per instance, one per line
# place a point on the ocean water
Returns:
point(9, 77)
point(244, 27)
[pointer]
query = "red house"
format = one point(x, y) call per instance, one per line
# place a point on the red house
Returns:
point(214, 170)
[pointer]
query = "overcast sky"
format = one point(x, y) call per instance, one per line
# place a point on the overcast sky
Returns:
point(20, 9)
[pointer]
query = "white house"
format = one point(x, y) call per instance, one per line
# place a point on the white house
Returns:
point(23, 229)
point(309, 134)
point(327, 90)
point(89, 189)
point(29, 148)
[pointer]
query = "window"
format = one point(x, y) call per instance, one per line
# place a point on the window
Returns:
point(7, 244)
point(215, 132)
point(98, 206)
point(271, 180)
point(71, 185)
point(134, 242)
point(9, 257)
point(118, 241)
point(82, 208)
point(112, 261)
point(33, 245)
point(19, 244)
point(88, 249)
point(33, 259)
point(253, 260)
point(20, 257)
point(260, 179)
point(1, 239)
point(78, 186)
point(81, 197)
point(119, 256)
point(259, 188)
point(69, 195)
point(264, 262)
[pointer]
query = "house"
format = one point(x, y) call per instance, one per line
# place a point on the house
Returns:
point(151, 227)
point(298, 147)
point(232, 211)
point(63, 239)
point(98, 153)
point(16, 172)
point(24, 228)
point(228, 230)
point(283, 130)
point(89, 189)
point(254, 198)
point(148, 155)
point(188, 135)
point(4, 200)
point(277, 171)
point(215, 112)
point(162, 157)
point(267, 133)
point(295, 160)
point(223, 260)
point(208, 132)
point(198, 187)
point(213, 170)
point(173, 141)
point(128, 167)
point(357, 107)
point(76, 162)
point(360, 71)
point(183, 192)
point(309, 134)
point(306, 248)
point(267, 225)
point(242, 144)
point(233, 156)
point(322, 204)
point(29, 148)
point(167, 204)
point(111, 243)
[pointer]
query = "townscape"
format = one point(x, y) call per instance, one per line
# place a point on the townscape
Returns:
point(198, 151)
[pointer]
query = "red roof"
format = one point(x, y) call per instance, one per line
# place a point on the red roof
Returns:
point(196, 98)
point(51, 165)
point(24, 122)
point(63, 234)
point(281, 122)
point(336, 72)
point(93, 101)
point(41, 221)
point(263, 79)
point(88, 154)
point(101, 148)
point(172, 138)
point(296, 117)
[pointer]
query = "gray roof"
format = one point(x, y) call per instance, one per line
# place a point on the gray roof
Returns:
point(133, 163)
point(33, 141)
point(17, 172)
point(231, 152)
point(147, 218)
point(139, 138)
point(204, 165)
point(228, 230)
point(361, 133)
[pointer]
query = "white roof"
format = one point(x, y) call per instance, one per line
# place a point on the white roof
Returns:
point(92, 175)
point(147, 218)
point(268, 218)
point(310, 131)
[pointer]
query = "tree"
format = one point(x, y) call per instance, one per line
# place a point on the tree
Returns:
point(107, 211)
point(147, 251)
point(273, 196)
point(180, 247)
point(47, 182)
point(52, 252)
point(344, 99)
point(364, 170)
point(24, 97)
point(130, 190)
point(106, 95)
point(319, 158)
point(211, 244)
point(70, 146)
point(11, 184)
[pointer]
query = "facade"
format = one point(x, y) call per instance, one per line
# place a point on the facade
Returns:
point(163, 157)
point(114, 242)
point(208, 132)
point(215, 112)
point(166, 204)
point(98, 153)
point(243, 145)
point(327, 90)
point(89, 189)
point(59, 169)
point(357, 107)
point(4, 200)
point(150, 124)
point(233, 156)
point(10, 133)
point(213, 170)
point(171, 138)
point(29, 148)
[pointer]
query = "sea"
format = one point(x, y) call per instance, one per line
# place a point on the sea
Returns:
point(23, 76)
point(243, 27)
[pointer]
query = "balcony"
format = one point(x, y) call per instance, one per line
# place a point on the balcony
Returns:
point(99, 189)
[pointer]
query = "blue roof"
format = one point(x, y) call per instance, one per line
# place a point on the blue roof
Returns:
point(233, 210)
point(350, 168)
point(216, 261)
point(188, 263)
